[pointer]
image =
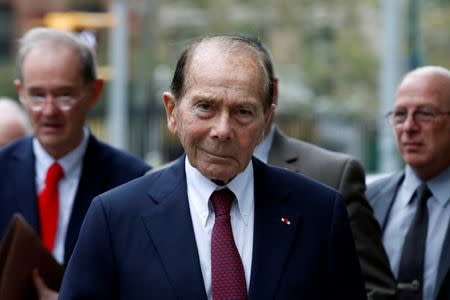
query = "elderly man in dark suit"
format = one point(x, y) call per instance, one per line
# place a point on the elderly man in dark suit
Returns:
point(52, 177)
point(346, 175)
point(217, 223)
point(413, 206)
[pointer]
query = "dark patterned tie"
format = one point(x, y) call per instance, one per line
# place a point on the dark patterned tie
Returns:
point(227, 271)
point(49, 206)
point(410, 275)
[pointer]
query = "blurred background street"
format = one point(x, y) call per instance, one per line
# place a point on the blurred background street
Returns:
point(338, 62)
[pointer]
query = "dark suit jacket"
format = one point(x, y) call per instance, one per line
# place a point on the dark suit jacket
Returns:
point(137, 242)
point(103, 168)
point(346, 175)
point(381, 195)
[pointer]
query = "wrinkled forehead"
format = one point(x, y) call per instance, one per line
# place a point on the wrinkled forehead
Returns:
point(224, 58)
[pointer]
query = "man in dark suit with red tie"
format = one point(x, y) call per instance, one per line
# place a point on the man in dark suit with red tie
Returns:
point(52, 177)
point(217, 223)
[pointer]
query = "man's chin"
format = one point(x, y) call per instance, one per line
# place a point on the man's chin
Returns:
point(221, 174)
point(416, 161)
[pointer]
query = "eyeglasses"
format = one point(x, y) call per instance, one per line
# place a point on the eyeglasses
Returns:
point(421, 115)
point(63, 102)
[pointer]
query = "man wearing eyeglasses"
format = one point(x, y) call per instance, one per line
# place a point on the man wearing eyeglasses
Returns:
point(52, 177)
point(413, 206)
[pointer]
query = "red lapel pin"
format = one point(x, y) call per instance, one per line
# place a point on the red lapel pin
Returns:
point(286, 221)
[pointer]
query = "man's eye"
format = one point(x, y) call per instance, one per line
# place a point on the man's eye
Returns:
point(425, 113)
point(37, 97)
point(37, 94)
point(244, 112)
point(204, 106)
point(399, 114)
point(64, 98)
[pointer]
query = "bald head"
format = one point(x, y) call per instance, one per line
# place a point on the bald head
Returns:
point(436, 78)
point(13, 121)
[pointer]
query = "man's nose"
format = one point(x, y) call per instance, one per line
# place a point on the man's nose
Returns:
point(222, 126)
point(410, 121)
point(49, 105)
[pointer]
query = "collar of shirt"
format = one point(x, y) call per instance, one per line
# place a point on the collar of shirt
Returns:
point(410, 184)
point(438, 186)
point(200, 188)
point(262, 150)
point(71, 163)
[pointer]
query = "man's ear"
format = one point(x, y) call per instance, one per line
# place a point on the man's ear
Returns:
point(96, 90)
point(19, 86)
point(170, 106)
point(275, 91)
point(270, 115)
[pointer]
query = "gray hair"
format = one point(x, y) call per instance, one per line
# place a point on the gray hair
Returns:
point(244, 43)
point(40, 36)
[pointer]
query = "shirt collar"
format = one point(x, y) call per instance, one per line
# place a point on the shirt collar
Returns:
point(201, 188)
point(438, 186)
point(262, 150)
point(69, 162)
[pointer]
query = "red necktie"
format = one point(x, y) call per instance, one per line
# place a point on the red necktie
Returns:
point(227, 271)
point(49, 206)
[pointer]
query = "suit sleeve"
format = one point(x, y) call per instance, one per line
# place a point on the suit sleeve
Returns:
point(342, 257)
point(91, 272)
point(375, 267)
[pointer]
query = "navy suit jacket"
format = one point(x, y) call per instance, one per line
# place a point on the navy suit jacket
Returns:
point(137, 242)
point(381, 195)
point(103, 168)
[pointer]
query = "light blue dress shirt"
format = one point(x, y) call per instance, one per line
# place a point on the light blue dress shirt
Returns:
point(402, 214)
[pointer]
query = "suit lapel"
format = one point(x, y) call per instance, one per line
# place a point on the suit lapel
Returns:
point(273, 237)
point(169, 225)
point(23, 171)
point(385, 198)
point(92, 183)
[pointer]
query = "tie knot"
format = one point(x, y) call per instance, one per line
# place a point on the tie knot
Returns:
point(54, 173)
point(423, 193)
point(221, 201)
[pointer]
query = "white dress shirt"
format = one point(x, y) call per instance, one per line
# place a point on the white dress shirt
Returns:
point(199, 189)
point(402, 214)
point(72, 164)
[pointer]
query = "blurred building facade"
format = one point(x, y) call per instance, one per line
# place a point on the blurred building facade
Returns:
point(326, 56)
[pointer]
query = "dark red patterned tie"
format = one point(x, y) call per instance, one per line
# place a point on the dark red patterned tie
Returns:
point(49, 205)
point(227, 271)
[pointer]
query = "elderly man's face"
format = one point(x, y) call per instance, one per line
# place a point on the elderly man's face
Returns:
point(220, 118)
point(424, 145)
point(51, 74)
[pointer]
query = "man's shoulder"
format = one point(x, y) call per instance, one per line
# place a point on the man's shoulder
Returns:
point(320, 152)
point(382, 184)
point(113, 157)
point(22, 146)
point(311, 151)
point(280, 177)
